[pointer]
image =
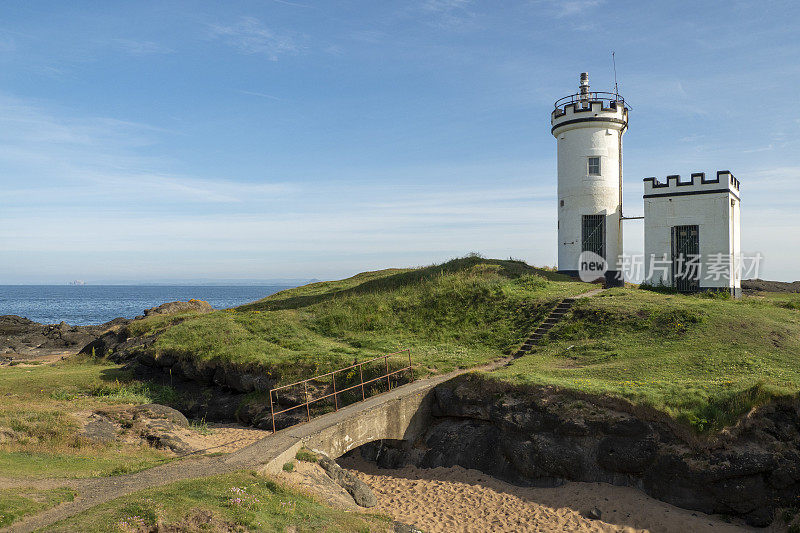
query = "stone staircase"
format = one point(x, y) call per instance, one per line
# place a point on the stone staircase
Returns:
point(552, 319)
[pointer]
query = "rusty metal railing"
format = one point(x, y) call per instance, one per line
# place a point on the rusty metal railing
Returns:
point(335, 394)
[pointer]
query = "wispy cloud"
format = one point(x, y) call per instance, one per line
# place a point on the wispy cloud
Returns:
point(262, 95)
point(567, 8)
point(250, 36)
point(450, 14)
point(295, 4)
point(51, 158)
point(140, 48)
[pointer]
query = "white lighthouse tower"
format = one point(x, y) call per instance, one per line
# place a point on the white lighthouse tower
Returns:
point(589, 127)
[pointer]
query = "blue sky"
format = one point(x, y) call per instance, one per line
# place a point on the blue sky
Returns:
point(178, 140)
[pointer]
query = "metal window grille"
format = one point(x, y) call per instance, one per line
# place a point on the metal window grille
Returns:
point(685, 246)
point(594, 166)
point(593, 234)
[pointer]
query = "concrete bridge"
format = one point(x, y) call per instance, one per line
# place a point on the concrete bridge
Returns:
point(400, 414)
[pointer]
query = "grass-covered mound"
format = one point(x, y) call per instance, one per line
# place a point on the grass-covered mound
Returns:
point(40, 434)
point(704, 361)
point(459, 314)
point(233, 502)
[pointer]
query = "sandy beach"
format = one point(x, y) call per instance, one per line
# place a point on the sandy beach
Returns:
point(458, 499)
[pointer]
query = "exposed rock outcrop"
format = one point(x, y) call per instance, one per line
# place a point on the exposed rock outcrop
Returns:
point(155, 424)
point(542, 437)
point(26, 338)
point(359, 490)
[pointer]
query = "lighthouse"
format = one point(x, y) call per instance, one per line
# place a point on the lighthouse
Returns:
point(588, 127)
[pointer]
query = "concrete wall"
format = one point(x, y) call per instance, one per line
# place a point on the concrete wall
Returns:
point(581, 132)
point(710, 203)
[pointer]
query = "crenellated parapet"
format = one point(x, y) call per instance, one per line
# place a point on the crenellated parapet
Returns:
point(589, 113)
point(601, 105)
point(697, 183)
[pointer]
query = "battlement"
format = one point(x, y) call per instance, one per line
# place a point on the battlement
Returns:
point(696, 184)
point(578, 108)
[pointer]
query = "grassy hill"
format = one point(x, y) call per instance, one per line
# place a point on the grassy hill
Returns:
point(459, 314)
point(704, 361)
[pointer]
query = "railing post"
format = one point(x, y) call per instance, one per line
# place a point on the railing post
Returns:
point(272, 410)
point(335, 399)
point(388, 382)
point(308, 407)
point(361, 373)
point(410, 368)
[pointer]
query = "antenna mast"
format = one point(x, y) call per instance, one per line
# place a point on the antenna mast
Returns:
point(614, 62)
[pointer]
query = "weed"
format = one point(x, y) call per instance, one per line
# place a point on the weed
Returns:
point(304, 454)
point(288, 467)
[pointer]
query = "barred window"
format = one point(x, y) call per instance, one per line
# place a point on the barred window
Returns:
point(594, 166)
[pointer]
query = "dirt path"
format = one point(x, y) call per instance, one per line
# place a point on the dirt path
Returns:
point(94, 492)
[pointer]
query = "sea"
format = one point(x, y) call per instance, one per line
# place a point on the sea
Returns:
point(81, 305)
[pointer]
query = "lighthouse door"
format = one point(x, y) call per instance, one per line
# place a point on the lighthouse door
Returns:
point(593, 234)
point(685, 251)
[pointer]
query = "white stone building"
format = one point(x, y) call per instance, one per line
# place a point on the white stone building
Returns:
point(589, 127)
point(692, 232)
point(692, 237)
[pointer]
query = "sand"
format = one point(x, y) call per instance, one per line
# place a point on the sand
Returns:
point(458, 499)
point(222, 437)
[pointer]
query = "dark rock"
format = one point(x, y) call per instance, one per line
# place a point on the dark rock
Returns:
point(629, 427)
point(154, 410)
point(100, 429)
point(593, 514)
point(26, 338)
point(544, 457)
point(466, 443)
point(573, 428)
point(359, 490)
point(400, 527)
point(626, 455)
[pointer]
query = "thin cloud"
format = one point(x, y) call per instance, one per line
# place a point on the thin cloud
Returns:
point(141, 48)
point(262, 95)
point(50, 159)
point(450, 14)
point(568, 8)
point(250, 36)
point(295, 4)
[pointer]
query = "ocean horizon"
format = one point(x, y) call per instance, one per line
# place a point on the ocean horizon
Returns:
point(81, 305)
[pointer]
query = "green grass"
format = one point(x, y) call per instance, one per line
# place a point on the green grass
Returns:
point(304, 454)
point(17, 503)
point(39, 434)
point(456, 315)
point(219, 502)
point(703, 361)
